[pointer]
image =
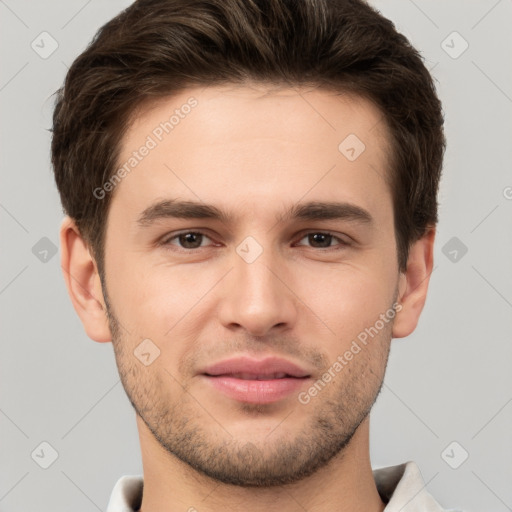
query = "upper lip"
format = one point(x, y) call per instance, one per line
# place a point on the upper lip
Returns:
point(257, 367)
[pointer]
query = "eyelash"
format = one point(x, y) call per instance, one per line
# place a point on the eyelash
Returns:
point(166, 242)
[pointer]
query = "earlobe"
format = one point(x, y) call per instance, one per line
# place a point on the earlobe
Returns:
point(413, 285)
point(83, 282)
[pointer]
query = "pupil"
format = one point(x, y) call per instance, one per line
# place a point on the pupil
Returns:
point(187, 240)
point(323, 238)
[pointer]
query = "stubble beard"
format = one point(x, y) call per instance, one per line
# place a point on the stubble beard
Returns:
point(186, 431)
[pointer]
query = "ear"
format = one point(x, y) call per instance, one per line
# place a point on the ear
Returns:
point(413, 284)
point(83, 282)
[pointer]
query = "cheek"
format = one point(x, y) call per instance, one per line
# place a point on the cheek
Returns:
point(154, 302)
point(349, 300)
point(159, 300)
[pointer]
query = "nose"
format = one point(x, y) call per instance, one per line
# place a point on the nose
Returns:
point(258, 296)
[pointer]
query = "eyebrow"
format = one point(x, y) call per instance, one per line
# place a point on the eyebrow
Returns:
point(313, 210)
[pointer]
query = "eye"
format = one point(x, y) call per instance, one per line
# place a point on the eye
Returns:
point(193, 240)
point(187, 240)
point(323, 239)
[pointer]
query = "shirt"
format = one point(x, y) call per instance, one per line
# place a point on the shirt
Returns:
point(401, 487)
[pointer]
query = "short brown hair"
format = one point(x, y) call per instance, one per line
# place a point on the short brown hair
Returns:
point(156, 48)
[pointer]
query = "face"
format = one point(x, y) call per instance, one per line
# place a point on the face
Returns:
point(290, 252)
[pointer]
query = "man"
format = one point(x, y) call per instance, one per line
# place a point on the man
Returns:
point(251, 198)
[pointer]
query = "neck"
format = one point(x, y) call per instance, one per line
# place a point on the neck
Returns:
point(345, 484)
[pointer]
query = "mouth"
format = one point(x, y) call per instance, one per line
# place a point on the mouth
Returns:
point(256, 388)
point(257, 376)
point(258, 381)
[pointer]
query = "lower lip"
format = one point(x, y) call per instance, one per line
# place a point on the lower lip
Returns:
point(256, 391)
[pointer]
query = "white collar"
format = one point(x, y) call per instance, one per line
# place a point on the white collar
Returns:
point(403, 489)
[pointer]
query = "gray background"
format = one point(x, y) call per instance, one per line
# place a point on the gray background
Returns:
point(449, 381)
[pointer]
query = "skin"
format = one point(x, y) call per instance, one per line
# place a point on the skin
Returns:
point(254, 151)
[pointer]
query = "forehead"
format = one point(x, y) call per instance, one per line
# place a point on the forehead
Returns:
point(258, 110)
point(245, 143)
